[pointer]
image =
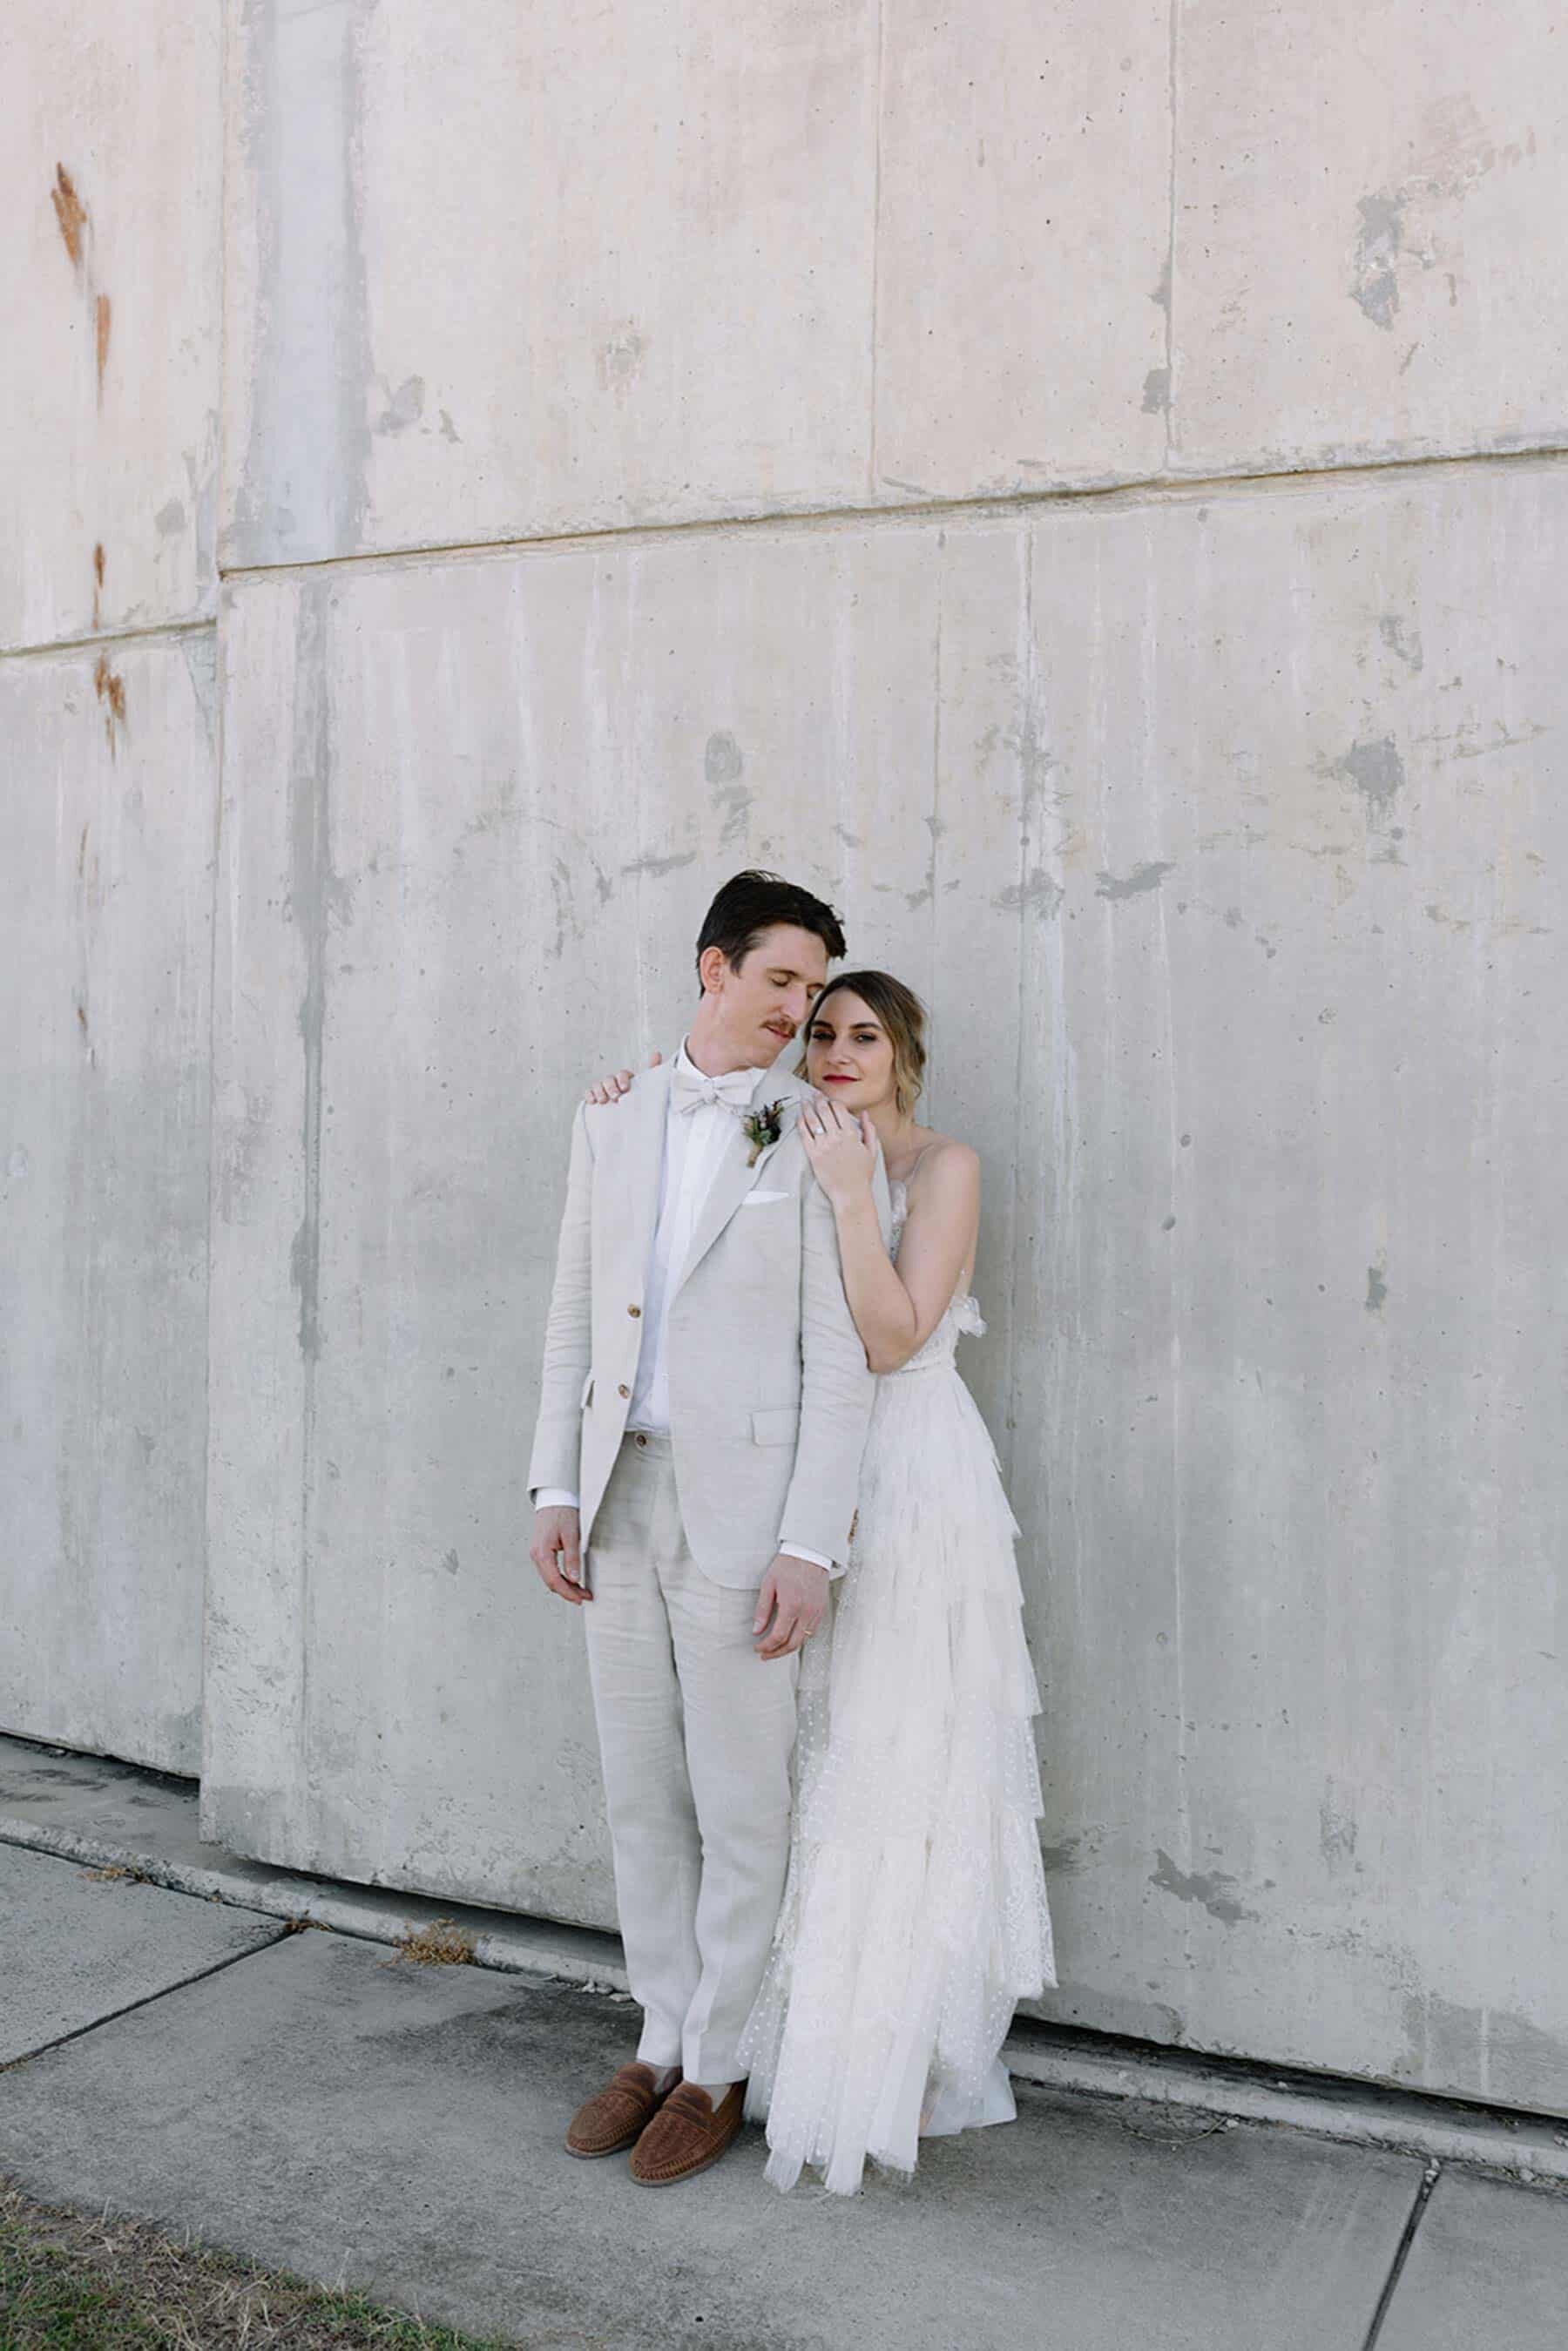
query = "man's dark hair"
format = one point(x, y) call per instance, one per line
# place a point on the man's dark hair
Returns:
point(751, 903)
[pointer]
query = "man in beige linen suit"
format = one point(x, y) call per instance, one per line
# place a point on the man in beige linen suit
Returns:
point(704, 1410)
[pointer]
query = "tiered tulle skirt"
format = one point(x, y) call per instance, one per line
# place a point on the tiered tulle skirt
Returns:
point(915, 1917)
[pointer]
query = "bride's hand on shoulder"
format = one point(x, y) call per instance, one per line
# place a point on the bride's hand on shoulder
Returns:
point(608, 1090)
point(841, 1148)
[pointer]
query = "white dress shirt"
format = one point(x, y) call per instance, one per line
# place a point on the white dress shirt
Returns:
point(694, 1140)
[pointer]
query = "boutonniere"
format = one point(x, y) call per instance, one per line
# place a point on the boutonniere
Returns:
point(763, 1128)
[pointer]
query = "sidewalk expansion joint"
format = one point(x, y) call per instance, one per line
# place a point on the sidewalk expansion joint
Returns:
point(147, 1999)
point(1422, 2197)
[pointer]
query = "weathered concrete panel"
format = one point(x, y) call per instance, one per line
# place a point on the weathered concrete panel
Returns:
point(1221, 834)
point(460, 801)
point(496, 276)
point(807, 256)
point(812, 257)
point(1023, 227)
point(106, 886)
point(1368, 233)
point(110, 287)
point(394, 1699)
point(1291, 1317)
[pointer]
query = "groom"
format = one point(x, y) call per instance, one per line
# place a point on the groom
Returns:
point(704, 1404)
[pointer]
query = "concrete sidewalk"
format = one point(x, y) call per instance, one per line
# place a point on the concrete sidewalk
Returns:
point(313, 2101)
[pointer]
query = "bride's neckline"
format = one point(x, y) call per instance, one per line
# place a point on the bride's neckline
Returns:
point(903, 1181)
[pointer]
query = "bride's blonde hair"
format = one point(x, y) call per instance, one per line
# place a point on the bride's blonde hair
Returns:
point(902, 1015)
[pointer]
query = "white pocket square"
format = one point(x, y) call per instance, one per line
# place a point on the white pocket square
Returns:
point(762, 1199)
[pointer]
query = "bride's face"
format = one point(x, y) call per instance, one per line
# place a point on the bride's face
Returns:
point(849, 1053)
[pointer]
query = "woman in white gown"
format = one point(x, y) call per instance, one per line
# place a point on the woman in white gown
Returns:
point(915, 1917)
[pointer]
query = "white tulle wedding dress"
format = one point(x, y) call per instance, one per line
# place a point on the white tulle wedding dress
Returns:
point(915, 1917)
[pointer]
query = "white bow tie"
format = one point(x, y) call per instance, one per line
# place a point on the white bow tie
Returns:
point(734, 1089)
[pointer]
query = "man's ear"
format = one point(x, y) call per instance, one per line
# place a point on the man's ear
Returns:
point(712, 965)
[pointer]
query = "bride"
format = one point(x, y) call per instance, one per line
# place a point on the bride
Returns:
point(914, 1914)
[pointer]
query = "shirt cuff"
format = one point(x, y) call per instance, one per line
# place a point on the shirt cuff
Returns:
point(799, 1551)
point(554, 1497)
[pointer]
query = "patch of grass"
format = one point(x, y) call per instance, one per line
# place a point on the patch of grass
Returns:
point(75, 2280)
point(441, 1944)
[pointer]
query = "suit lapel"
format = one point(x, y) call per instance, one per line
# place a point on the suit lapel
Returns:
point(733, 1177)
point(643, 1166)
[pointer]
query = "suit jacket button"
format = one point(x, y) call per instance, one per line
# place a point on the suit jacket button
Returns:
point(633, 1311)
point(624, 1390)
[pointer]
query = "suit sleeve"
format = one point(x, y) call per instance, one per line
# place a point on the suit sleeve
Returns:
point(569, 1328)
point(836, 1391)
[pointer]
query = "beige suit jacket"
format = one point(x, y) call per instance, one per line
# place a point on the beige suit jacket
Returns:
point(769, 1391)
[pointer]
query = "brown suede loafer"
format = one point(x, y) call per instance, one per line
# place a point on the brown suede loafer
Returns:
point(687, 2134)
point(617, 2115)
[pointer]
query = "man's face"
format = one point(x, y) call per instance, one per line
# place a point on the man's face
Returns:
point(763, 1000)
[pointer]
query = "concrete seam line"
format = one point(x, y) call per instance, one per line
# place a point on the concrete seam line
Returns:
point(150, 633)
point(1135, 491)
point(1140, 491)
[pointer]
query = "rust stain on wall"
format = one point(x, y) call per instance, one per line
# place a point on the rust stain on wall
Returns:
point(97, 563)
point(70, 213)
point(109, 687)
point(76, 230)
point(103, 327)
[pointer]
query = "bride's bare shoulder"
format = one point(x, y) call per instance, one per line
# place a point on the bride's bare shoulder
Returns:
point(946, 1166)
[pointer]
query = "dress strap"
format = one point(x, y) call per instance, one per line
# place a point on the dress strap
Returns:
point(905, 1180)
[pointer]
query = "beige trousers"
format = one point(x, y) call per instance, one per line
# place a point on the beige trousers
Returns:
point(696, 1733)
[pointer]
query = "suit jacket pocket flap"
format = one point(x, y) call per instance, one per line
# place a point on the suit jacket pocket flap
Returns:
point(780, 1425)
point(764, 1199)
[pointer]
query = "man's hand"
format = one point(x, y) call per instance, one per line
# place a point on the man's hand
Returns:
point(789, 1606)
point(556, 1552)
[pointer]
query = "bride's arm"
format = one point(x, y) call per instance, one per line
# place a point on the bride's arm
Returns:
point(895, 1307)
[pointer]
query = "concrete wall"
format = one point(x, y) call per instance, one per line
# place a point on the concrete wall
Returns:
point(109, 286)
point(1084, 490)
